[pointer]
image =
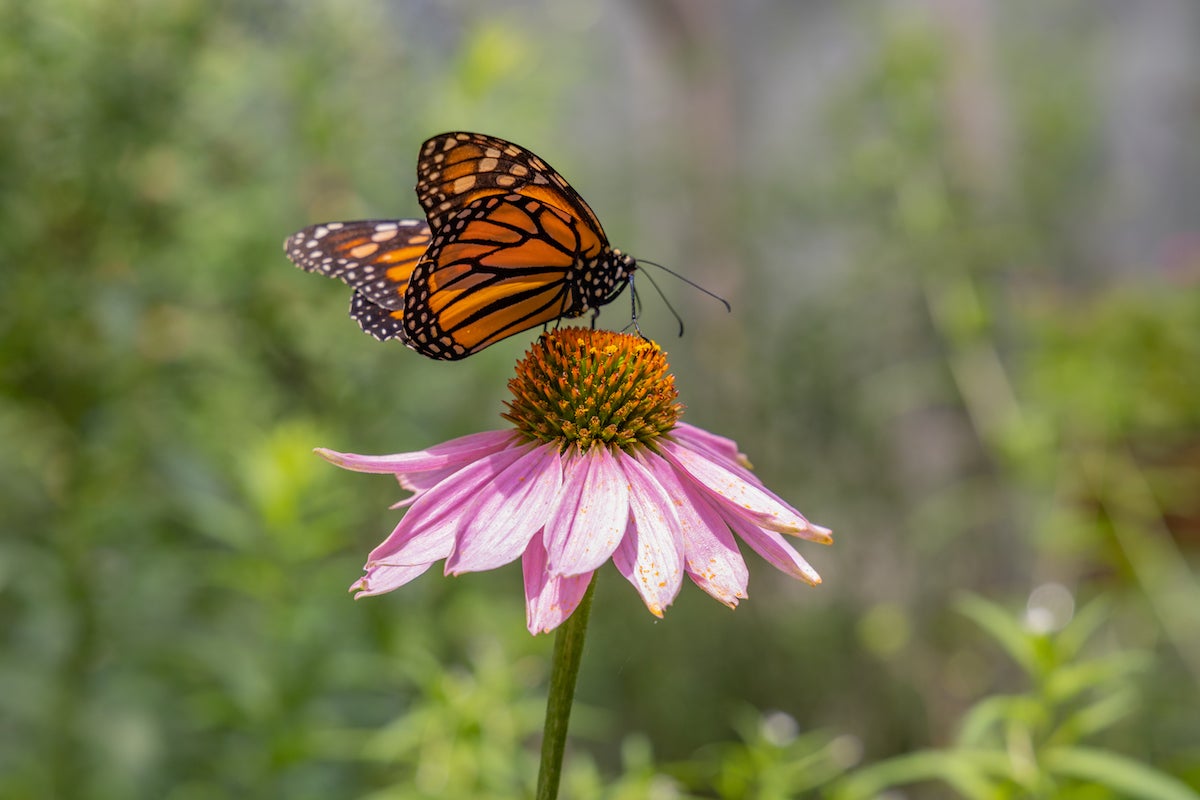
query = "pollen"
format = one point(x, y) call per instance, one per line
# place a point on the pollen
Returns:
point(579, 387)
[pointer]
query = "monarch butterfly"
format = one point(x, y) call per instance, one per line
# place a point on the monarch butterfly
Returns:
point(507, 245)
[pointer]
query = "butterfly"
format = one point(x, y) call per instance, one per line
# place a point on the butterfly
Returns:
point(506, 245)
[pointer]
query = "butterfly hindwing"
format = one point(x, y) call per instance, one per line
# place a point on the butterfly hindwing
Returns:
point(501, 266)
point(374, 256)
point(380, 322)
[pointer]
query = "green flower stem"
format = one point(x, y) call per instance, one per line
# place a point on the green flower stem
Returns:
point(568, 648)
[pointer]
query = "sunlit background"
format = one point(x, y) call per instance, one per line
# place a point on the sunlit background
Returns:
point(962, 245)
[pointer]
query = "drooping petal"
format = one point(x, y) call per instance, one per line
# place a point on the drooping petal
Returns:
point(710, 555)
point(424, 481)
point(753, 502)
point(460, 452)
point(421, 482)
point(507, 512)
point(383, 578)
point(590, 519)
point(430, 528)
point(549, 600)
point(775, 549)
point(724, 451)
point(650, 555)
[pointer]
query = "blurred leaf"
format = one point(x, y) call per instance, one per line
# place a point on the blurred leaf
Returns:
point(1004, 630)
point(1087, 620)
point(1124, 775)
point(960, 773)
point(1071, 680)
point(1095, 717)
point(985, 722)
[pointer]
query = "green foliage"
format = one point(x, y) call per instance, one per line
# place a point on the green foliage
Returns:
point(937, 350)
point(1032, 744)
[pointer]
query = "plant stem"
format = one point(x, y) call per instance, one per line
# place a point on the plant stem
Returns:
point(568, 648)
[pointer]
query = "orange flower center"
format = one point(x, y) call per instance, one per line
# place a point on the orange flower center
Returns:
point(579, 387)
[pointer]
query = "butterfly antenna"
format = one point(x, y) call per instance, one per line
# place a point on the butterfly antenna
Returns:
point(666, 302)
point(691, 283)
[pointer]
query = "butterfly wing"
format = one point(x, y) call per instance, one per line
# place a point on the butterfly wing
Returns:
point(502, 265)
point(382, 323)
point(456, 169)
point(375, 257)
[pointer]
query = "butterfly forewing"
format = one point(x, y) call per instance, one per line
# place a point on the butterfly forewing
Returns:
point(456, 169)
point(374, 256)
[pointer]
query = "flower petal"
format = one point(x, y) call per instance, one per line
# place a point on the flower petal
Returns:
point(710, 554)
point(705, 440)
point(508, 511)
point(549, 600)
point(431, 526)
point(650, 555)
point(383, 578)
point(590, 519)
point(461, 451)
point(753, 502)
point(775, 549)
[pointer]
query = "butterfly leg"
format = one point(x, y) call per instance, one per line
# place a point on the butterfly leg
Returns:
point(635, 308)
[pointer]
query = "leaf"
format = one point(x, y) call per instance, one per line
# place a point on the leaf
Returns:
point(1126, 777)
point(1096, 717)
point(987, 717)
point(1002, 627)
point(1087, 620)
point(924, 765)
point(1071, 680)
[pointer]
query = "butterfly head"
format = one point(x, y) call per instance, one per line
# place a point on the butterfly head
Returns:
point(605, 277)
point(624, 262)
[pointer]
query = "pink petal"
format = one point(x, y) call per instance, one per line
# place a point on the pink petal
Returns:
point(430, 527)
point(753, 502)
point(548, 600)
point(382, 578)
point(711, 556)
point(460, 451)
point(421, 482)
point(775, 549)
point(589, 521)
point(508, 511)
point(706, 441)
point(650, 555)
point(424, 481)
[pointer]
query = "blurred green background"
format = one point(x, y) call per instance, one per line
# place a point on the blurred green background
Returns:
point(962, 244)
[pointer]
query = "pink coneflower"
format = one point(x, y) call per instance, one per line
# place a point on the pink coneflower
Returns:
point(596, 466)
